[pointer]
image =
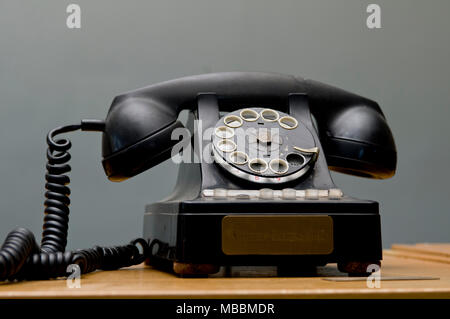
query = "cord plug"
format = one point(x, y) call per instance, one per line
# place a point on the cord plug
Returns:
point(93, 125)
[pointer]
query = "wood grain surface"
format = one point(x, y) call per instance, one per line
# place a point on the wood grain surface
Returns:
point(423, 251)
point(145, 282)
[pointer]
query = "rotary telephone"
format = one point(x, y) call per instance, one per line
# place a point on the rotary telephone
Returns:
point(261, 193)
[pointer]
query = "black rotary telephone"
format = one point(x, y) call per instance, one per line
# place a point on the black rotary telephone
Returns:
point(261, 193)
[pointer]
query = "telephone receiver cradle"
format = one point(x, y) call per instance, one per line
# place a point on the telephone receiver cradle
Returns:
point(223, 215)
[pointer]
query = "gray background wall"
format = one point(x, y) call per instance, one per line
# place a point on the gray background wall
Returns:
point(50, 75)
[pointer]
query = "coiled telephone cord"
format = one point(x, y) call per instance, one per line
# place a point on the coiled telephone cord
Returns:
point(21, 258)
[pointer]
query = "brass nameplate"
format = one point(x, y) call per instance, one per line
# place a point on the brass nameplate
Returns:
point(277, 235)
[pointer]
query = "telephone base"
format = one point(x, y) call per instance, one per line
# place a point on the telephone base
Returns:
point(196, 237)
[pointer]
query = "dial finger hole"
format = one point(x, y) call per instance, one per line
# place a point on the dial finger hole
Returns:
point(239, 158)
point(258, 165)
point(270, 115)
point(288, 122)
point(224, 132)
point(279, 166)
point(249, 115)
point(226, 146)
point(232, 121)
point(295, 159)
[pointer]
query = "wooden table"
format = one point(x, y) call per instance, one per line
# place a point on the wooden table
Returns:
point(402, 261)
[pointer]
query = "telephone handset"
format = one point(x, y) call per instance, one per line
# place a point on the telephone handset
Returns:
point(266, 198)
point(352, 129)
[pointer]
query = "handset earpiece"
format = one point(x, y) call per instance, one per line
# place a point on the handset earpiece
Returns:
point(137, 136)
point(361, 144)
point(353, 132)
